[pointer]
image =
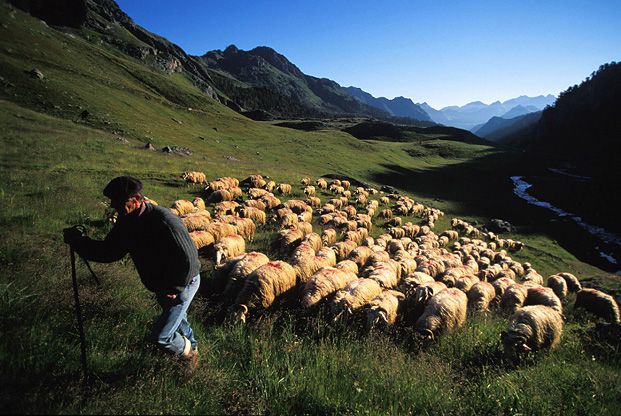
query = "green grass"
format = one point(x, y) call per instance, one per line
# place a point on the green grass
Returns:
point(53, 167)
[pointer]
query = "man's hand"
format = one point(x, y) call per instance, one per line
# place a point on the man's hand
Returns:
point(71, 235)
point(171, 296)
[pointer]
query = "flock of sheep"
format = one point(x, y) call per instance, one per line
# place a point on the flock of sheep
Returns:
point(407, 274)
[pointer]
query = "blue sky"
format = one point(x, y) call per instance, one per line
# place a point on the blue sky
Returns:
point(442, 52)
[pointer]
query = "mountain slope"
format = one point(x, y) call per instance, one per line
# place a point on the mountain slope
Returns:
point(263, 79)
point(397, 107)
point(582, 127)
point(500, 129)
point(519, 110)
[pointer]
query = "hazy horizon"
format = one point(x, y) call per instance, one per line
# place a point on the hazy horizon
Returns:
point(443, 54)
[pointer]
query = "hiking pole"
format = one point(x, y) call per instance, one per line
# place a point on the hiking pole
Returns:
point(78, 312)
point(88, 265)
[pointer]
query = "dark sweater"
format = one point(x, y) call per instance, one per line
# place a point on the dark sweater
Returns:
point(158, 243)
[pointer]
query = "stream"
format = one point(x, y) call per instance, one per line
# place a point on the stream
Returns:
point(608, 239)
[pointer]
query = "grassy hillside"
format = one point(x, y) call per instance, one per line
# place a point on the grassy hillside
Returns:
point(54, 164)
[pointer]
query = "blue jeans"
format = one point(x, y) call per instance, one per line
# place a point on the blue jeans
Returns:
point(172, 326)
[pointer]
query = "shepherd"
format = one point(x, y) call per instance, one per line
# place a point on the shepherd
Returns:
point(164, 255)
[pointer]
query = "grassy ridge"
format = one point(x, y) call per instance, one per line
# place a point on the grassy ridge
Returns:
point(54, 165)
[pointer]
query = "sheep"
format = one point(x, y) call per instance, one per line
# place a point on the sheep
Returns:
point(345, 184)
point(355, 295)
point(573, 284)
point(309, 190)
point(219, 196)
point(242, 268)
point(229, 181)
point(343, 249)
point(351, 211)
point(325, 282)
point(199, 203)
point(256, 193)
point(225, 208)
point(530, 329)
point(480, 296)
point(287, 240)
point(408, 264)
point(235, 192)
point(196, 220)
point(255, 203)
point(229, 246)
point(283, 188)
point(386, 273)
point(466, 282)
point(395, 222)
point(321, 183)
point(500, 285)
point(543, 296)
point(450, 234)
point(378, 256)
point(202, 239)
point(306, 216)
point(270, 201)
point(513, 298)
point(347, 265)
point(533, 277)
point(304, 227)
point(270, 186)
point(383, 309)
point(386, 213)
point(216, 186)
point(308, 263)
point(254, 181)
point(598, 303)
point(194, 177)
point(182, 207)
point(384, 200)
point(359, 255)
point(298, 206)
point(288, 220)
point(314, 240)
point(336, 202)
point(328, 236)
point(244, 227)
point(411, 230)
point(263, 286)
point(254, 214)
point(396, 232)
point(558, 285)
point(314, 202)
point(445, 312)
point(364, 221)
point(415, 279)
point(418, 297)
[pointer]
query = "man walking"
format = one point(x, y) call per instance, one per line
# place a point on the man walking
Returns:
point(164, 255)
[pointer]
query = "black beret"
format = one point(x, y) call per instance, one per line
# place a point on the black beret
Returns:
point(122, 187)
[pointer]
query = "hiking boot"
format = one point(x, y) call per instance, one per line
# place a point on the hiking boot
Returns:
point(191, 359)
point(190, 356)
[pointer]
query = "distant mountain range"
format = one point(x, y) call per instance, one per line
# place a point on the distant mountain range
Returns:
point(397, 107)
point(473, 115)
